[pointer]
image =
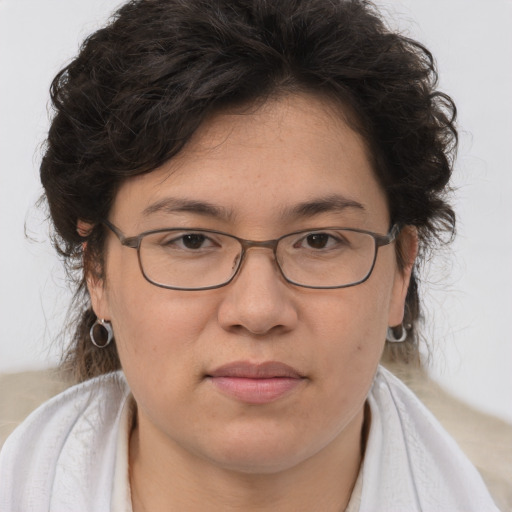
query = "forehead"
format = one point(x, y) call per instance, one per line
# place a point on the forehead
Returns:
point(261, 163)
point(278, 124)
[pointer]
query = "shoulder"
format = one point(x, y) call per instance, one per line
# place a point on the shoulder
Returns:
point(97, 398)
point(411, 463)
point(55, 448)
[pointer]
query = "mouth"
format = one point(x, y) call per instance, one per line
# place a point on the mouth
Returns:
point(256, 383)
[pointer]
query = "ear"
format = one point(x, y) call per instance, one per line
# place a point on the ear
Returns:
point(407, 251)
point(98, 294)
point(84, 228)
point(94, 276)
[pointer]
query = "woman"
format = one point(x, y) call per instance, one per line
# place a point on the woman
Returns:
point(244, 188)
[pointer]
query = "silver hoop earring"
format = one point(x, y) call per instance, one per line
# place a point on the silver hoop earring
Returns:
point(390, 335)
point(108, 330)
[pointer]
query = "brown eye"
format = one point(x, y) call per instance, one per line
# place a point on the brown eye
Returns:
point(193, 241)
point(187, 242)
point(317, 240)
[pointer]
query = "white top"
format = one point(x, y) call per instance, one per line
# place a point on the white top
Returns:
point(71, 455)
point(121, 496)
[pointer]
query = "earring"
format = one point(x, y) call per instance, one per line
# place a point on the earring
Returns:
point(390, 335)
point(108, 329)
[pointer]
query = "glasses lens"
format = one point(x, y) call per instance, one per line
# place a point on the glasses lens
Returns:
point(189, 259)
point(327, 258)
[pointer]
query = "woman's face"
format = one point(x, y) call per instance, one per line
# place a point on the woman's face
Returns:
point(207, 368)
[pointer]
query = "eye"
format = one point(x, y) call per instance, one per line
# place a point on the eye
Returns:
point(191, 241)
point(319, 241)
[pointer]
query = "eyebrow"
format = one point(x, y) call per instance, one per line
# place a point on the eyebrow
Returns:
point(332, 203)
point(179, 205)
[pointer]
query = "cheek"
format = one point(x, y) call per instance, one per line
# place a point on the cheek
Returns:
point(157, 333)
point(356, 317)
point(155, 328)
point(144, 315)
point(349, 330)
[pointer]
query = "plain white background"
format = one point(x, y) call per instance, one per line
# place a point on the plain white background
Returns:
point(468, 290)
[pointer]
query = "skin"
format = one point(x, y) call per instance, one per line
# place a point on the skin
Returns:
point(193, 444)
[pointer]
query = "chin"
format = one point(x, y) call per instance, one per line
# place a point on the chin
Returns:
point(260, 463)
point(258, 452)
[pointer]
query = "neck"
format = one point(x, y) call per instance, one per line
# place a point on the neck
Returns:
point(167, 477)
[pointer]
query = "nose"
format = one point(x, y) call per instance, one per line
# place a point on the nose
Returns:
point(258, 300)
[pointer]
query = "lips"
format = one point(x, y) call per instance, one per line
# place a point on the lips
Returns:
point(255, 383)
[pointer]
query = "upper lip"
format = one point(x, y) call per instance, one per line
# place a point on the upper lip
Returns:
point(248, 370)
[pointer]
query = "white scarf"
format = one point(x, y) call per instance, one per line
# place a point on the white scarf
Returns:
point(63, 457)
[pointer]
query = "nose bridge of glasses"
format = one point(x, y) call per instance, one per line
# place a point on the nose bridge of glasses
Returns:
point(253, 244)
point(266, 244)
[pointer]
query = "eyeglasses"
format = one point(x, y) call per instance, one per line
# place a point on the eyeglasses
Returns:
point(203, 259)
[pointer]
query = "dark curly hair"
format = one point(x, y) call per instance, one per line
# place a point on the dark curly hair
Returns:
point(142, 85)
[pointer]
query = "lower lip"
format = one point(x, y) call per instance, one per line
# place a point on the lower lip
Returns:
point(256, 391)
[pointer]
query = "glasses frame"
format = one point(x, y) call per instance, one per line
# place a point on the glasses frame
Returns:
point(134, 242)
